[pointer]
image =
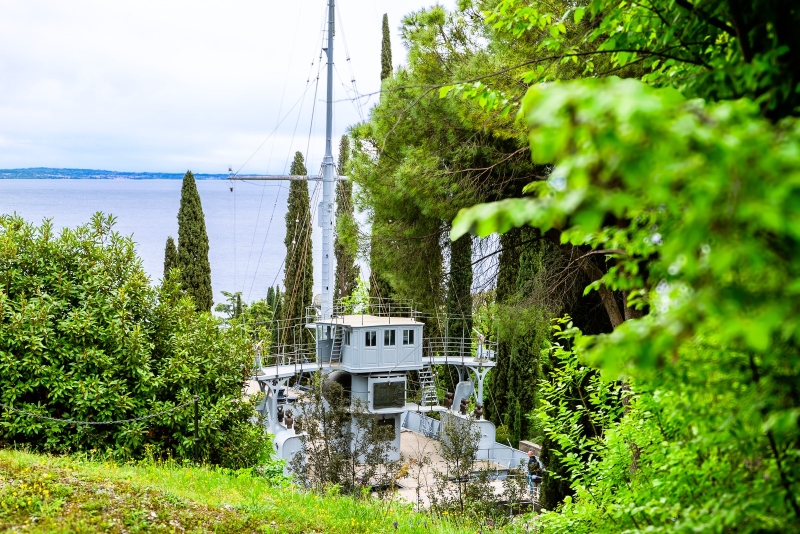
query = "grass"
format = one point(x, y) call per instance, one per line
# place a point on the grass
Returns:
point(40, 493)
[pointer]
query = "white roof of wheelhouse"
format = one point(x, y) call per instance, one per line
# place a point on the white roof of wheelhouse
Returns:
point(356, 321)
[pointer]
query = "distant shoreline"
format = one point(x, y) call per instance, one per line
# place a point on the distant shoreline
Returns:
point(47, 173)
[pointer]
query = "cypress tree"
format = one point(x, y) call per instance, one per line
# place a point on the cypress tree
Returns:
point(516, 428)
point(274, 301)
point(298, 269)
point(193, 246)
point(347, 272)
point(238, 307)
point(498, 406)
point(170, 256)
point(379, 286)
point(524, 366)
point(459, 294)
point(386, 50)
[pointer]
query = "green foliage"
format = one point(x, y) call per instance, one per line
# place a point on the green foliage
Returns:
point(170, 257)
point(386, 49)
point(233, 307)
point(458, 448)
point(697, 206)
point(345, 243)
point(358, 301)
point(84, 336)
point(713, 49)
point(299, 267)
point(683, 451)
point(498, 408)
point(379, 287)
point(720, 50)
point(193, 262)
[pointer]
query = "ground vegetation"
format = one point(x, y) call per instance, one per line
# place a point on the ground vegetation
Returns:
point(43, 494)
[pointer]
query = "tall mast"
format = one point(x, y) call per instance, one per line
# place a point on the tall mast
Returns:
point(325, 213)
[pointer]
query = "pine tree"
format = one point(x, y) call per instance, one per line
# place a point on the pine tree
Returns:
point(347, 271)
point(298, 269)
point(379, 287)
point(386, 50)
point(170, 257)
point(193, 246)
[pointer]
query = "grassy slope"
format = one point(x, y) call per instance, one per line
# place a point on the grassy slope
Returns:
point(57, 494)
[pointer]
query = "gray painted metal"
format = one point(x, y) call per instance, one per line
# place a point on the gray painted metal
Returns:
point(328, 179)
point(282, 177)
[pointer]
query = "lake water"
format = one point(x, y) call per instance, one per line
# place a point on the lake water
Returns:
point(245, 227)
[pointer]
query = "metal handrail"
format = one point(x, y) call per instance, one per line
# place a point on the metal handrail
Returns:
point(458, 348)
point(375, 306)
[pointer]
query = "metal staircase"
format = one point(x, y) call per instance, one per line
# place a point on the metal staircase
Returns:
point(336, 347)
point(428, 387)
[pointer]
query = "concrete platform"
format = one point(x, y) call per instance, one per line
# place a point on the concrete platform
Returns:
point(422, 457)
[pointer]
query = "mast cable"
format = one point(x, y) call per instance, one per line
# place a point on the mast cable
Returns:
point(269, 163)
point(286, 164)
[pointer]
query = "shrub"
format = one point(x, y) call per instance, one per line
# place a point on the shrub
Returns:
point(85, 336)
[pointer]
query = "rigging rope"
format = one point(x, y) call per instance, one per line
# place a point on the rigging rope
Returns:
point(349, 63)
point(269, 164)
point(95, 423)
point(286, 163)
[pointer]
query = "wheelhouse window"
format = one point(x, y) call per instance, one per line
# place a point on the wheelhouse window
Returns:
point(389, 338)
point(347, 337)
point(371, 338)
point(408, 337)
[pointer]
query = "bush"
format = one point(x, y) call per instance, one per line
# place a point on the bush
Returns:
point(84, 336)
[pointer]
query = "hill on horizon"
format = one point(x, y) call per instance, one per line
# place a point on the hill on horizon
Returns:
point(47, 173)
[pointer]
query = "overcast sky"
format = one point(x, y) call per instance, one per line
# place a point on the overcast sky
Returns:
point(171, 85)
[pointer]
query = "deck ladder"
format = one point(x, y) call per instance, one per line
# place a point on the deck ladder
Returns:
point(428, 386)
point(336, 346)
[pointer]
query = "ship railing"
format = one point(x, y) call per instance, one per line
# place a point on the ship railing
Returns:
point(366, 306)
point(459, 348)
point(283, 355)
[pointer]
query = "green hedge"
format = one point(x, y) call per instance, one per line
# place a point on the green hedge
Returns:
point(85, 336)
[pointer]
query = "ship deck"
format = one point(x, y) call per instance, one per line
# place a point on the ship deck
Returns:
point(279, 372)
